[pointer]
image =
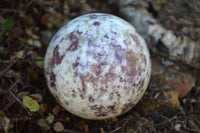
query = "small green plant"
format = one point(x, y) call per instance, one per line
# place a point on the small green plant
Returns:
point(8, 23)
point(31, 104)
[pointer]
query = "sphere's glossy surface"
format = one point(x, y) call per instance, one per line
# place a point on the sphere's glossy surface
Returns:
point(97, 66)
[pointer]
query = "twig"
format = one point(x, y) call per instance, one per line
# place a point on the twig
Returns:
point(4, 61)
point(115, 130)
point(6, 10)
point(8, 105)
point(124, 124)
point(29, 3)
point(192, 121)
point(13, 61)
point(19, 101)
point(20, 119)
point(166, 121)
point(181, 109)
point(70, 131)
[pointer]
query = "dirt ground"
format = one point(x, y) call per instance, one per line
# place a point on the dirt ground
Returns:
point(170, 104)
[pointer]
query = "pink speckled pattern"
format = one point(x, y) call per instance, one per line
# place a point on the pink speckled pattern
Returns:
point(97, 66)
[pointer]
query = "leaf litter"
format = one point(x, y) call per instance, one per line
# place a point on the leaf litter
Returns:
point(170, 104)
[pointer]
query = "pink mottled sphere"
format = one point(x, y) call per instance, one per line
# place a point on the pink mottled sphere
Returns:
point(97, 66)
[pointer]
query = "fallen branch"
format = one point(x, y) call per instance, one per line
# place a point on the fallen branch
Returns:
point(160, 40)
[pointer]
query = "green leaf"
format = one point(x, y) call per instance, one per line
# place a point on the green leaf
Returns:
point(34, 43)
point(40, 64)
point(50, 118)
point(20, 54)
point(37, 44)
point(42, 123)
point(30, 41)
point(8, 23)
point(31, 104)
point(22, 94)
